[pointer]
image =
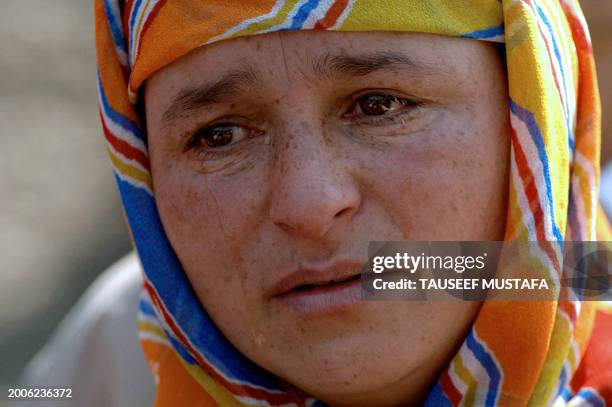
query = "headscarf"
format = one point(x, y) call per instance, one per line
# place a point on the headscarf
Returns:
point(516, 353)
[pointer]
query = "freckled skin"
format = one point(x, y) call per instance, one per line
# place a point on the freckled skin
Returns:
point(319, 185)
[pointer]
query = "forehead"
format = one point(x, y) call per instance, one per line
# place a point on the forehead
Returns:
point(310, 53)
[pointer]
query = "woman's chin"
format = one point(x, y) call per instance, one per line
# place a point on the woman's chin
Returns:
point(363, 357)
point(360, 379)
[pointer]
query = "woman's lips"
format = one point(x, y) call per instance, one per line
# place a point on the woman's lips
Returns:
point(322, 290)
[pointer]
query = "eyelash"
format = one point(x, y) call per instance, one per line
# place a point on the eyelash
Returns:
point(408, 107)
point(195, 140)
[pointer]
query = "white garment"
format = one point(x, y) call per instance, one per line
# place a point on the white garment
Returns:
point(95, 350)
point(605, 191)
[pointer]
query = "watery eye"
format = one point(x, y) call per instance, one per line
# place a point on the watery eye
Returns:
point(219, 135)
point(378, 105)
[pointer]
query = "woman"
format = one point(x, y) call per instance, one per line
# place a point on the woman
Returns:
point(269, 161)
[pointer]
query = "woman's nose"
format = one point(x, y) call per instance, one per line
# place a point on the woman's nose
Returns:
point(314, 192)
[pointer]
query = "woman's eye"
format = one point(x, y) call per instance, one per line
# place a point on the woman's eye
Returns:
point(379, 105)
point(219, 135)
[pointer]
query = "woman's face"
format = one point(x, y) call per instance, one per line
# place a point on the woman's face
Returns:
point(277, 158)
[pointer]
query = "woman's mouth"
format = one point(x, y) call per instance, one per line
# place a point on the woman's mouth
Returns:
point(316, 292)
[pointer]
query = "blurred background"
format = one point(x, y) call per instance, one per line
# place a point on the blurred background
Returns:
point(60, 217)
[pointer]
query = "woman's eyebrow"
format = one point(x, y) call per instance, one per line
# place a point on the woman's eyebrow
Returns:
point(333, 65)
point(329, 66)
point(196, 97)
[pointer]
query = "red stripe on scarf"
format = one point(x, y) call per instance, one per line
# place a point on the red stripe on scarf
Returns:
point(449, 389)
point(127, 150)
point(534, 200)
point(332, 15)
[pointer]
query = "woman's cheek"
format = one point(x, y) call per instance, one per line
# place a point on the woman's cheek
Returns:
point(433, 185)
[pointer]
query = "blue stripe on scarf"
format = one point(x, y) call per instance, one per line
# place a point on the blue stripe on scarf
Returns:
point(486, 33)
point(121, 120)
point(302, 14)
point(115, 26)
point(490, 366)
